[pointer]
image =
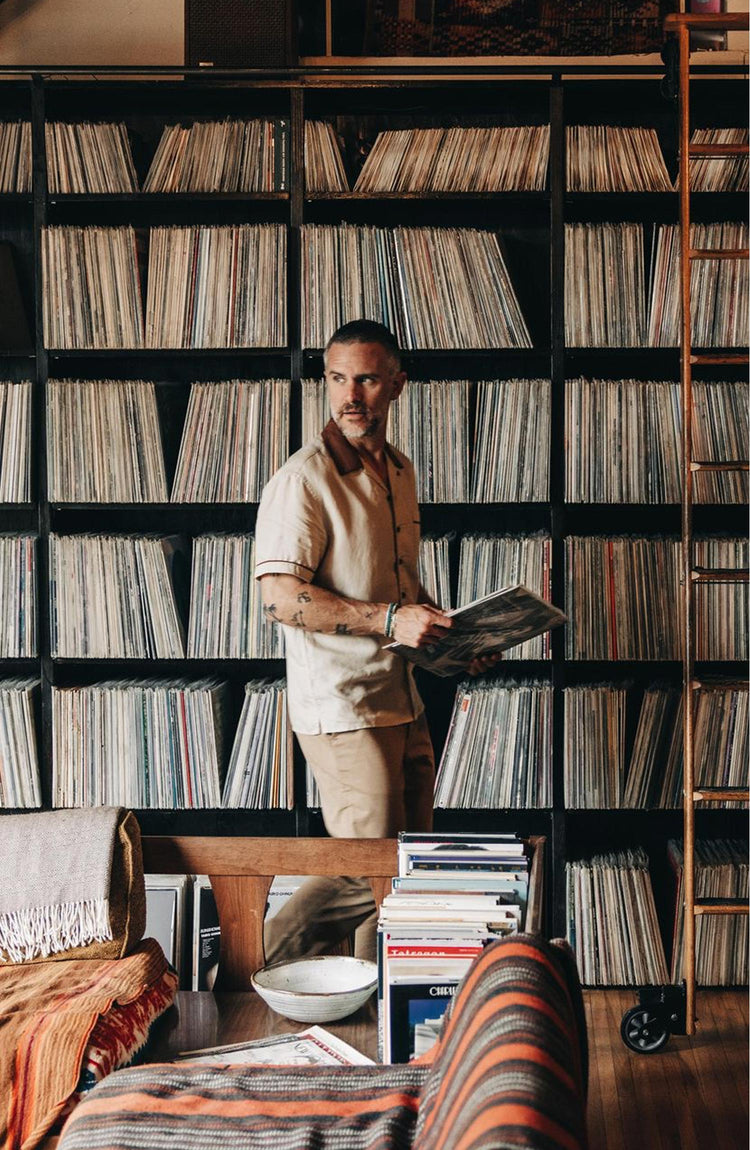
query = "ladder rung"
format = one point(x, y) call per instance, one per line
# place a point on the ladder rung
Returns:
point(720, 794)
point(718, 253)
point(721, 906)
point(719, 684)
point(739, 359)
point(718, 150)
point(716, 21)
point(725, 465)
point(720, 575)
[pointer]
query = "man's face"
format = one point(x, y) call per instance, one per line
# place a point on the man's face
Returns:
point(362, 381)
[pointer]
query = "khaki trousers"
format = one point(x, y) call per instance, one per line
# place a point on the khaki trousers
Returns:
point(373, 783)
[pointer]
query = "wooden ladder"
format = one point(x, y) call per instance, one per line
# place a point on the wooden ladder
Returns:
point(692, 576)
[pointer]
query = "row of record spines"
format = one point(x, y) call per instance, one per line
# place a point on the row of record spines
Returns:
point(613, 300)
point(104, 440)
point(19, 761)
point(721, 871)
point(497, 752)
point(612, 923)
point(614, 929)
point(623, 749)
point(621, 594)
point(160, 745)
point(232, 156)
point(415, 280)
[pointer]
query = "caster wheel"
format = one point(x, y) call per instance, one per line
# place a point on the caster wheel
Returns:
point(643, 1031)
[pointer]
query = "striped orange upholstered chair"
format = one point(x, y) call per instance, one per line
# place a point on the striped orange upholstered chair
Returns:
point(509, 1070)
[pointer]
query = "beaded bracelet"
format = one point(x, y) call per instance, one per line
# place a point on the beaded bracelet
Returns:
point(390, 618)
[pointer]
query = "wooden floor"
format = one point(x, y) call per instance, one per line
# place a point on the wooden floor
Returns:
point(692, 1095)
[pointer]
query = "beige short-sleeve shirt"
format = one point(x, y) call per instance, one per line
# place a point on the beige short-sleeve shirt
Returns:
point(329, 520)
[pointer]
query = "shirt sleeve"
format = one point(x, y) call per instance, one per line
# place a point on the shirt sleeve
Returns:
point(290, 536)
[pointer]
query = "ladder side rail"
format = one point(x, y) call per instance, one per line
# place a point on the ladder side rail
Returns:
point(688, 599)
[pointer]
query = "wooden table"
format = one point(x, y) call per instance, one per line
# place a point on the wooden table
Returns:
point(202, 1018)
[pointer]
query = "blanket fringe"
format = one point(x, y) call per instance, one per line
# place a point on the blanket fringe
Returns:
point(37, 932)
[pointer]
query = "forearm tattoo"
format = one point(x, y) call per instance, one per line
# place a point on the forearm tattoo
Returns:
point(304, 597)
point(342, 629)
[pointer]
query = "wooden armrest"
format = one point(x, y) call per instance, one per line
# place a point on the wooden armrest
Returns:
point(242, 870)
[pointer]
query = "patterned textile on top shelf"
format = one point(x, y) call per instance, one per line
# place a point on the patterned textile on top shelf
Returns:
point(48, 1014)
point(514, 27)
point(510, 1066)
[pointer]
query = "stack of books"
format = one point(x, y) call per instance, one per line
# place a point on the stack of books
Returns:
point(454, 894)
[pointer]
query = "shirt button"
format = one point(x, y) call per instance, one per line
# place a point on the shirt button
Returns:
point(403, 594)
point(398, 529)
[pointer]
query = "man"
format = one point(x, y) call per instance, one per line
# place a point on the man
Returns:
point(337, 543)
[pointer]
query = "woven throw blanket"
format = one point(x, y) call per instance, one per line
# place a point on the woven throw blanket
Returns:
point(57, 870)
point(48, 1012)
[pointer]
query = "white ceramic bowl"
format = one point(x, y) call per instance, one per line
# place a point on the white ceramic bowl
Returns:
point(319, 989)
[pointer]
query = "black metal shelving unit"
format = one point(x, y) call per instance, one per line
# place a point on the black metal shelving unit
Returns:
point(533, 229)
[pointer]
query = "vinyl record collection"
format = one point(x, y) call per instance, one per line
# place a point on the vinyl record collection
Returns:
point(721, 941)
point(104, 442)
point(457, 159)
point(624, 440)
point(112, 597)
point(15, 156)
point(605, 285)
point(434, 568)
point(316, 410)
point(603, 158)
point(226, 156)
point(146, 745)
point(324, 167)
point(92, 295)
point(512, 441)
point(18, 597)
point(226, 616)
point(217, 286)
point(599, 773)
point(721, 611)
point(622, 599)
point(612, 923)
point(719, 295)
point(654, 777)
point(719, 174)
point(19, 763)
point(594, 746)
point(235, 436)
point(498, 751)
point(489, 562)
point(259, 775)
point(89, 159)
point(429, 423)
point(15, 442)
point(433, 287)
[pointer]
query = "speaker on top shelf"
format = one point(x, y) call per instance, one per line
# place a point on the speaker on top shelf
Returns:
point(240, 33)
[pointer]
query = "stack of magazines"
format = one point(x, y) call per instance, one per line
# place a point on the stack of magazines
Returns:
point(454, 893)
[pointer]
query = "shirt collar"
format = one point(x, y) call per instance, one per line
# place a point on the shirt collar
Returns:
point(346, 457)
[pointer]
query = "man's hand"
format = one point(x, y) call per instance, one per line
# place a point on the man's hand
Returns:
point(483, 663)
point(417, 626)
